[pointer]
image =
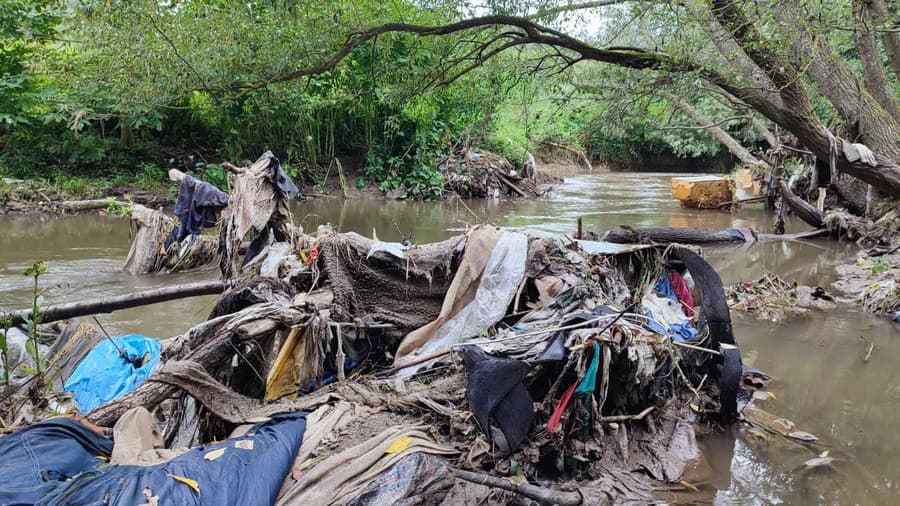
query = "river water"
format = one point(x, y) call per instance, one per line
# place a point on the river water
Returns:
point(821, 380)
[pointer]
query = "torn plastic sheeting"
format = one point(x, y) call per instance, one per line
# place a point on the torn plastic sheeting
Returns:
point(494, 289)
point(105, 375)
point(419, 478)
point(397, 249)
point(277, 253)
point(251, 470)
point(35, 460)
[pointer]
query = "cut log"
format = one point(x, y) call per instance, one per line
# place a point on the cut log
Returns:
point(110, 304)
point(803, 209)
point(628, 235)
point(702, 192)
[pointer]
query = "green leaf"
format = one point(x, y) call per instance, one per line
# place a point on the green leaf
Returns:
point(36, 269)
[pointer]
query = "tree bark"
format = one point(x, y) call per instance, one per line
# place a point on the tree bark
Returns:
point(890, 37)
point(801, 208)
point(110, 304)
point(876, 78)
point(677, 235)
point(878, 129)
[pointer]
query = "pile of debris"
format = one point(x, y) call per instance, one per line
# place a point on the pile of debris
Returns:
point(479, 174)
point(773, 298)
point(874, 280)
point(345, 370)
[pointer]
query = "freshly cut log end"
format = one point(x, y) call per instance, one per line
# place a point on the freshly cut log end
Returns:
point(702, 192)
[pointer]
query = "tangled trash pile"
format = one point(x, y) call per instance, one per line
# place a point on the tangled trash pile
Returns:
point(492, 366)
point(874, 280)
point(773, 298)
point(471, 173)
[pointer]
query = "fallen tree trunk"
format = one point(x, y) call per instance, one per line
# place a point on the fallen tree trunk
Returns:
point(803, 209)
point(110, 304)
point(74, 206)
point(628, 235)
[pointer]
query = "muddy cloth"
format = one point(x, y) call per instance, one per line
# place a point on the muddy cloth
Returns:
point(555, 350)
point(407, 292)
point(196, 208)
point(343, 476)
point(243, 470)
point(34, 461)
point(496, 393)
point(279, 178)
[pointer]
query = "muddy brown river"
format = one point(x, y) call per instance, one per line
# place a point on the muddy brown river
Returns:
point(821, 380)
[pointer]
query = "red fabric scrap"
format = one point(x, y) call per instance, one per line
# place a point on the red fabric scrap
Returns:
point(683, 292)
point(555, 418)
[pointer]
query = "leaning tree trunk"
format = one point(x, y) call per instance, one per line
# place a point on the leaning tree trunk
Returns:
point(876, 78)
point(890, 36)
point(855, 104)
point(793, 109)
point(803, 209)
point(735, 147)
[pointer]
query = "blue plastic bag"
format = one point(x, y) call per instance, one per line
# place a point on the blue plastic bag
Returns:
point(105, 375)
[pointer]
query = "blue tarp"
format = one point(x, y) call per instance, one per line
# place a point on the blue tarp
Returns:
point(37, 459)
point(104, 375)
point(250, 471)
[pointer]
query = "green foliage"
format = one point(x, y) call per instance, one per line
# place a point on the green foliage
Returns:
point(32, 345)
point(139, 85)
point(116, 208)
point(878, 265)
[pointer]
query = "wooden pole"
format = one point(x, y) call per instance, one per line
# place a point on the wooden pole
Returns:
point(110, 304)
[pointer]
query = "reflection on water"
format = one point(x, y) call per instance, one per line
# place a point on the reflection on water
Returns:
point(821, 381)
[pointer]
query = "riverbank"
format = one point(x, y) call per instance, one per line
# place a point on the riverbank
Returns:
point(467, 173)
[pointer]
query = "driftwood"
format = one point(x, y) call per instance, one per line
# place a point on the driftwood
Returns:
point(628, 235)
point(74, 206)
point(743, 201)
point(512, 186)
point(110, 304)
point(804, 210)
point(538, 494)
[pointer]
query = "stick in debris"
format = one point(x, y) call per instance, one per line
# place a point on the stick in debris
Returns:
point(539, 494)
point(109, 304)
point(625, 418)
